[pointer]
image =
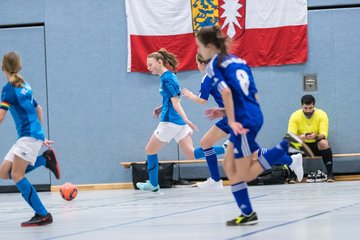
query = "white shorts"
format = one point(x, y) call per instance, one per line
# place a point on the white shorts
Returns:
point(27, 148)
point(166, 131)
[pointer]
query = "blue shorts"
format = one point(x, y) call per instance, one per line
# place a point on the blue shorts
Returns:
point(244, 145)
point(223, 125)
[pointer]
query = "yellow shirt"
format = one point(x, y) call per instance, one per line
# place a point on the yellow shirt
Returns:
point(300, 124)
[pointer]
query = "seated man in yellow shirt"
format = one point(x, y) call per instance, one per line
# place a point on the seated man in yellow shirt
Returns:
point(311, 125)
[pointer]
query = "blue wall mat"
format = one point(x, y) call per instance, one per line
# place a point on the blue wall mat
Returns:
point(21, 11)
point(99, 114)
point(315, 3)
point(29, 43)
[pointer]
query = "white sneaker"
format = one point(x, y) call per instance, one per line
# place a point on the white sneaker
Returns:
point(210, 183)
point(297, 166)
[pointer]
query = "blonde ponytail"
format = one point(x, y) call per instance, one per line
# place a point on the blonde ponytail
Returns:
point(16, 80)
point(11, 63)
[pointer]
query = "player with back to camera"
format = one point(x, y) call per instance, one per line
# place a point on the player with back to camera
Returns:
point(221, 130)
point(233, 79)
point(17, 96)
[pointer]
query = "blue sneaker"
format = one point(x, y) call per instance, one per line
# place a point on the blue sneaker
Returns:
point(147, 186)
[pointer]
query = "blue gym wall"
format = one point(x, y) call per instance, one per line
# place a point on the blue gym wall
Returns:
point(100, 115)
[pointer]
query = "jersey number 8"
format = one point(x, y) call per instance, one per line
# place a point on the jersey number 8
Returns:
point(243, 78)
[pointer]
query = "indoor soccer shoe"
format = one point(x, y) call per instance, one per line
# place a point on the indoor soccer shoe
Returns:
point(52, 163)
point(210, 183)
point(147, 186)
point(243, 220)
point(320, 176)
point(330, 178)
point(292, 179)
point(311, 177)
point(38, 220)
point(297, 166)
point(297, 145)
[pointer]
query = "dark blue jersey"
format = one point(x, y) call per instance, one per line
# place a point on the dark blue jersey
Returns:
point(234, 73)
point(22, 108)
point(169, 88)
point(207, 88)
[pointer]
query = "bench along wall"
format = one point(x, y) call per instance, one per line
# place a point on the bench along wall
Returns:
point(100, 115)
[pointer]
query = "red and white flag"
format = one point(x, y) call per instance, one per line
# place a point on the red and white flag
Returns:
point(263, 32)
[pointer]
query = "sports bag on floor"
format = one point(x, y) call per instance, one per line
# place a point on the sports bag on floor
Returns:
point(166, 171)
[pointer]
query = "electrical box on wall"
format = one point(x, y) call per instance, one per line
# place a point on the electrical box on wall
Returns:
point(310, 83)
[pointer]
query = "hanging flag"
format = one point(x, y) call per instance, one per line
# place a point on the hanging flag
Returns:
point(266, 32)
point(263, 32)
point(160, 24)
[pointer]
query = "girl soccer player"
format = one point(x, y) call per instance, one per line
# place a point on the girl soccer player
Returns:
point(233, 79)
point(173, 120)
point(23, 157)
point(221, 130)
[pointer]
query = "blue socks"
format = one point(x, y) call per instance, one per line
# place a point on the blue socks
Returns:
point(211, 159)
point(31, 197)
point(212, 162)
point(199, 152)
point(241, 195)
point(285, 159)
point(40, 161)
point(153, 169)
point(271, 156)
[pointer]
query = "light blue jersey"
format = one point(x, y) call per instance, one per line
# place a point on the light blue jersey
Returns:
point(169, 88)
point(22, 108)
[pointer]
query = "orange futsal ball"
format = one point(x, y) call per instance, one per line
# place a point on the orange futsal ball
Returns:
point(68, 191)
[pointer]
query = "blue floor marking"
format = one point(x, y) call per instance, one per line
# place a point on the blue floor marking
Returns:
point(143, 220)
point(291, 222)
point(26, 209)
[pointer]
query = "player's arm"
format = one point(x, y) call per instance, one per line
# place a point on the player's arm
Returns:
point(213, 113)
point(292, 125)
point(323, 127)
point(39, 113)
point(190, 95)
point(227, 98)
point(229, 109)
point(39, 110)
point(4, 106)
point(257, 97)
point(2, 115)
point(228, 104)
point(252, 87)
point(177, 106)
point(157, 111)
